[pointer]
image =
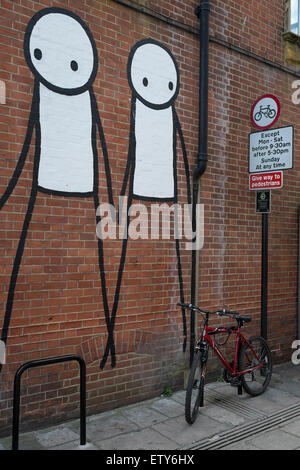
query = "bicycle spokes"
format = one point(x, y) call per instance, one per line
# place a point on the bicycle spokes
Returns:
point(255, 366)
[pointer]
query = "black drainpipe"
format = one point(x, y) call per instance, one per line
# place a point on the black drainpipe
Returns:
point(202, 12)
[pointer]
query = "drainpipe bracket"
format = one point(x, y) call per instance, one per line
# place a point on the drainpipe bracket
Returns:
point(202, 157)
point(202, 6)
point(201, 165)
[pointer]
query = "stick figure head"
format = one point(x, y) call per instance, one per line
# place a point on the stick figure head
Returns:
point(153, 74)
point(60, 51)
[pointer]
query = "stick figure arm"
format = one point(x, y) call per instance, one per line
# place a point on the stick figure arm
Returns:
point(104, 148)
point(106, 161)
point(127, 172)
point(184, 153)
point(131, 149)
point(26, 145)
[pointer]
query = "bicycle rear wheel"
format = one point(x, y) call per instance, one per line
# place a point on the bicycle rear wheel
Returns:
point(257, 116)
point(256, 381)
point(195, 389)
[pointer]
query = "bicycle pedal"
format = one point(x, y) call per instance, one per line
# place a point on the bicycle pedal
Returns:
point(235, 382)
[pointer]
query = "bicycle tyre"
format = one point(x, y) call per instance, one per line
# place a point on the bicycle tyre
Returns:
point(257, 116)
point(195, 389)
point(256, 382)
point(271, 113)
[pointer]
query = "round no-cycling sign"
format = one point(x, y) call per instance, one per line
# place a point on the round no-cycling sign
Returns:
point(265, 111)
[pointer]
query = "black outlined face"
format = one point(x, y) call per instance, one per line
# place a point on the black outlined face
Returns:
point(153, 74)
point(60, 51)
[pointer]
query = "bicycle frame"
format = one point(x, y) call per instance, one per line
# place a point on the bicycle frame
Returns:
point(240, 339)
point(264, 109)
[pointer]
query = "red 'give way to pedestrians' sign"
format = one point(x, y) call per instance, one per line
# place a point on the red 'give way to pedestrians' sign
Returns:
point(266, 180)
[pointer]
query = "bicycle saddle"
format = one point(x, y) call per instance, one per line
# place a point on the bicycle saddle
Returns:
point(244, 318)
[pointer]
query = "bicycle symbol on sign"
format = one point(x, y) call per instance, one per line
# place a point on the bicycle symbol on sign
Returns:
point(264, 111)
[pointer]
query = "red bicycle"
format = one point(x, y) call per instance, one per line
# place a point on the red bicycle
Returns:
point(251, 368)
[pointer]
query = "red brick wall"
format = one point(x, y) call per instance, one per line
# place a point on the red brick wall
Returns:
point(231, 258)
point(58, 305)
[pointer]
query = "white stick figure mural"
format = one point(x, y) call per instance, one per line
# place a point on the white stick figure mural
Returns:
point(61, 53)
point(151, 170)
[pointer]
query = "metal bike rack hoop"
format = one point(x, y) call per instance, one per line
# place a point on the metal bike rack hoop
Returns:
point(45, 362)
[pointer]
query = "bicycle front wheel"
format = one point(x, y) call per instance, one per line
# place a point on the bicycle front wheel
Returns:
point(257, 379)
point(195, 388)
point(271, 113)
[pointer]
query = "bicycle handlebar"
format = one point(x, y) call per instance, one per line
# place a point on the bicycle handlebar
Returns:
point(222, 312)
point(228, 312)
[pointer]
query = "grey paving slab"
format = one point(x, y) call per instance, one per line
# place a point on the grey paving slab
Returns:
point(146, 439)
point(179, 397)
point(6, 443)
point(30, 442)
point(168, 407)
point(27, 441)
point(101, 428)
point(283, 397)
point(287, 371)
point(221, 415)
point(276, 440)
point(183, 433)
point(292, 427)
point(56, 436)
point(287, 378)
point(143, 416)
point(292, 387)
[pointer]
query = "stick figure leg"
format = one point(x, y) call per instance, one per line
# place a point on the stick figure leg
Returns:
point(16, 266)
point(110, 339)
point(103, 286)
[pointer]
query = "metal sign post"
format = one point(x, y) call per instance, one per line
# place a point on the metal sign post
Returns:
point(263, 206)
point(264, 276)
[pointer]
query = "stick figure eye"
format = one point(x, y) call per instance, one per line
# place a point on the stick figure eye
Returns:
point(74, 65)
point(171, 86)
point(38, 54)
point(145, 81)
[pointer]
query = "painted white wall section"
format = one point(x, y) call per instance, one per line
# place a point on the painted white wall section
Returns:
point(154, 171)
point(66, 162)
